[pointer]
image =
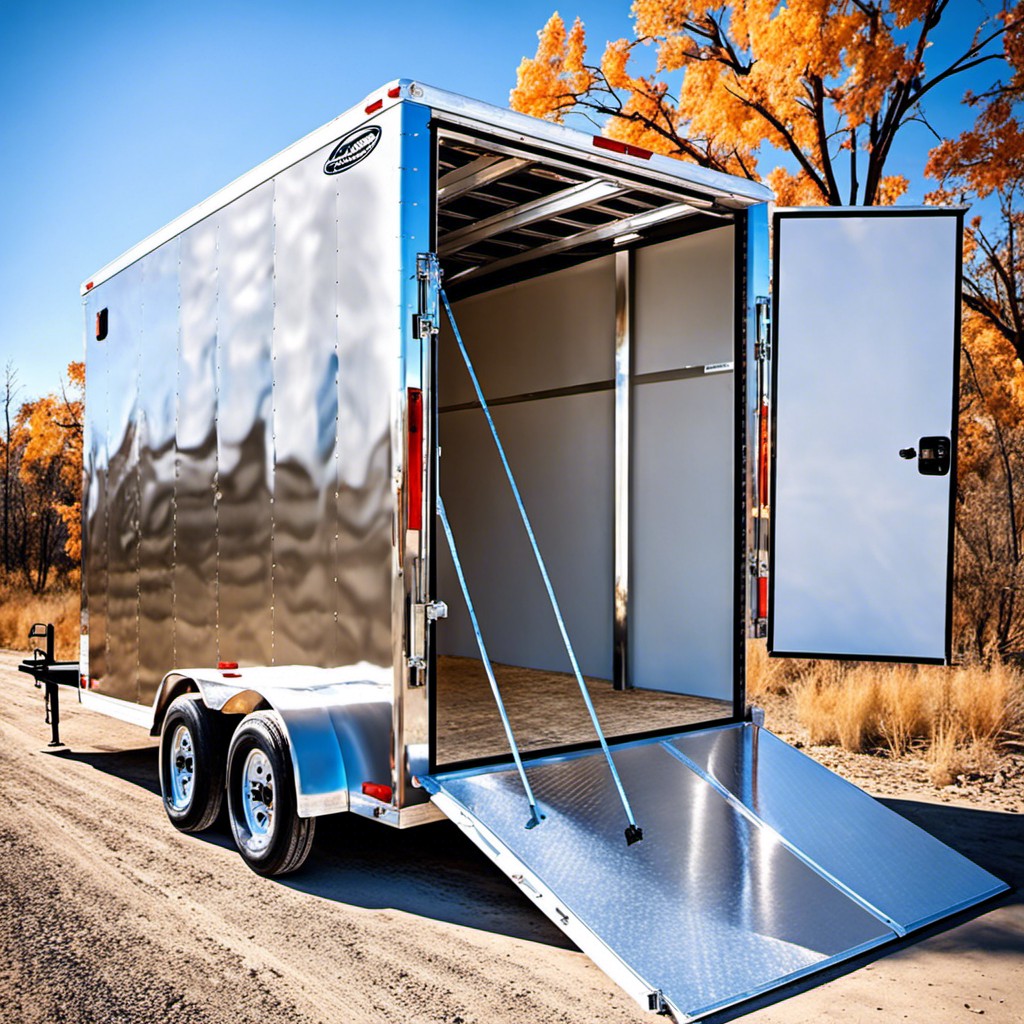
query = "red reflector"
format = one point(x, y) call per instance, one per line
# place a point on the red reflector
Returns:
point(375, 106)
point(762, 597)
point(88, 286)
point(227, 664)
point(377, 791)
point(622, 147)
point(232, 675)
point(414, 487)
point(83, 681)
point(394, 92)
point(762, 457)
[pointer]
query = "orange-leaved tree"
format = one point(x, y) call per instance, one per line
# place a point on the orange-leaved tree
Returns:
point(50, 434)
point(828, 83)
point(990, 494)
point(984, 166)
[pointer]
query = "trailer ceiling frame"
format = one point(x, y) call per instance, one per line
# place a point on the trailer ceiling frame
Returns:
point(496, 201)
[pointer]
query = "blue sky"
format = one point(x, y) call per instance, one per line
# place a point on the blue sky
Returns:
point(117, 117)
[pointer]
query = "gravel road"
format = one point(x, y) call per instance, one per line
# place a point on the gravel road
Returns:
point(108, 915)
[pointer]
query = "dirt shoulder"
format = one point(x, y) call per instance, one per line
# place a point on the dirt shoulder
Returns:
point(109, 915)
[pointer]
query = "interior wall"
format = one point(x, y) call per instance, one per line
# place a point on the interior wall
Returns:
point(558, 331)
point(550, 332)
point(683, 499)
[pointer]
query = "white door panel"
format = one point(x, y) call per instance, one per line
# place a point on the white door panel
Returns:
point(866, 358)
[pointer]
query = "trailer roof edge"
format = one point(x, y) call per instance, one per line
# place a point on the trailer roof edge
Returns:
point(488, 116)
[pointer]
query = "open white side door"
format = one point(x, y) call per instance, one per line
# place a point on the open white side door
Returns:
point(866, 364)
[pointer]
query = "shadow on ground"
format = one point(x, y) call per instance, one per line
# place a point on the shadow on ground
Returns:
point(137, 766)
point(432, 871)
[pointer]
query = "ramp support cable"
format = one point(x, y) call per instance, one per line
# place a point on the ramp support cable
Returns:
point(633, 832)
point(535, 816)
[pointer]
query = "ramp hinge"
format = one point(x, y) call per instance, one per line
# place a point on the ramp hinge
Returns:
point(656, 1001)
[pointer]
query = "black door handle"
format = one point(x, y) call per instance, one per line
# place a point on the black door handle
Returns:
point(934, 455)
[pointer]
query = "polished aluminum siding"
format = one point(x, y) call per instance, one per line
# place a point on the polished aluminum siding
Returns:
point(156, 415)
point(245, 441)
point(123, 341)
point(305, 413)
point(95, 489)
point(195, 488)
point(758, 866)
point(239, 493)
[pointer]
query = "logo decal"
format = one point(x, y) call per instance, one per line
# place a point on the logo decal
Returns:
point(355, 146)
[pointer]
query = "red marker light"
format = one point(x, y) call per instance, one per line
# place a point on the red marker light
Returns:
point(88, 286)
point(375, 106)
point(232, 675)
point(622, 147)
point(395, 91)
point(377, 791)
point(227, 664)
point(83, 681)
point(762, 456)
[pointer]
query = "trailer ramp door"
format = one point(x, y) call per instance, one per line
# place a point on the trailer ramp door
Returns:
point(757, 867)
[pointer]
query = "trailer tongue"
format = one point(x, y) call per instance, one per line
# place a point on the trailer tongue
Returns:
point(758, 865)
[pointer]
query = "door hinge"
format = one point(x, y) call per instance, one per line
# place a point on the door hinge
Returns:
point(422, 615)
point(424, 326)
point(428, 273)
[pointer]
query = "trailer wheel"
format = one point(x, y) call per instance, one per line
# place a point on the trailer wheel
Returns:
point(192, 754)
point(269, 834)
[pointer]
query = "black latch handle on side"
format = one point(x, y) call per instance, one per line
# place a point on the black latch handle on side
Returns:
point(933, 455)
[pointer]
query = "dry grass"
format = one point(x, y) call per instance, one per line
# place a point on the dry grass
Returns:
point(20, 608)
point(961, 719)
point(946, 756)
point(905, 711)
point(771, 675)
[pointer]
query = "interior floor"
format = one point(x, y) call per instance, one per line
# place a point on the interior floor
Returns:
point(546, 710)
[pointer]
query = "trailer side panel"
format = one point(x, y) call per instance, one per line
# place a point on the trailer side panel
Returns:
point(240, 495)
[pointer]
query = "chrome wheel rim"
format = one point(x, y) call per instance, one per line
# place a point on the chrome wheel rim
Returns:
point(258, 800)
point(183, 768)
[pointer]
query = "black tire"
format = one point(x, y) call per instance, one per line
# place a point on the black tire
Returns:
point(271, 837)
point(193, 750)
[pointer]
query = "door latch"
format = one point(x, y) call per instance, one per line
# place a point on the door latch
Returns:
point(933, 454)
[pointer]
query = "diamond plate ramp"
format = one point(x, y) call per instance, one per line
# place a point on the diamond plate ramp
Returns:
point(709, 909)
point(907, 877)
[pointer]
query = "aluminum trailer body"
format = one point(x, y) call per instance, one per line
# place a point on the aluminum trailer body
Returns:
point(276, 402)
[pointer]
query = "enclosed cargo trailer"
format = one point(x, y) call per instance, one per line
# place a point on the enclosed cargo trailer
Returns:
point(421, 478)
